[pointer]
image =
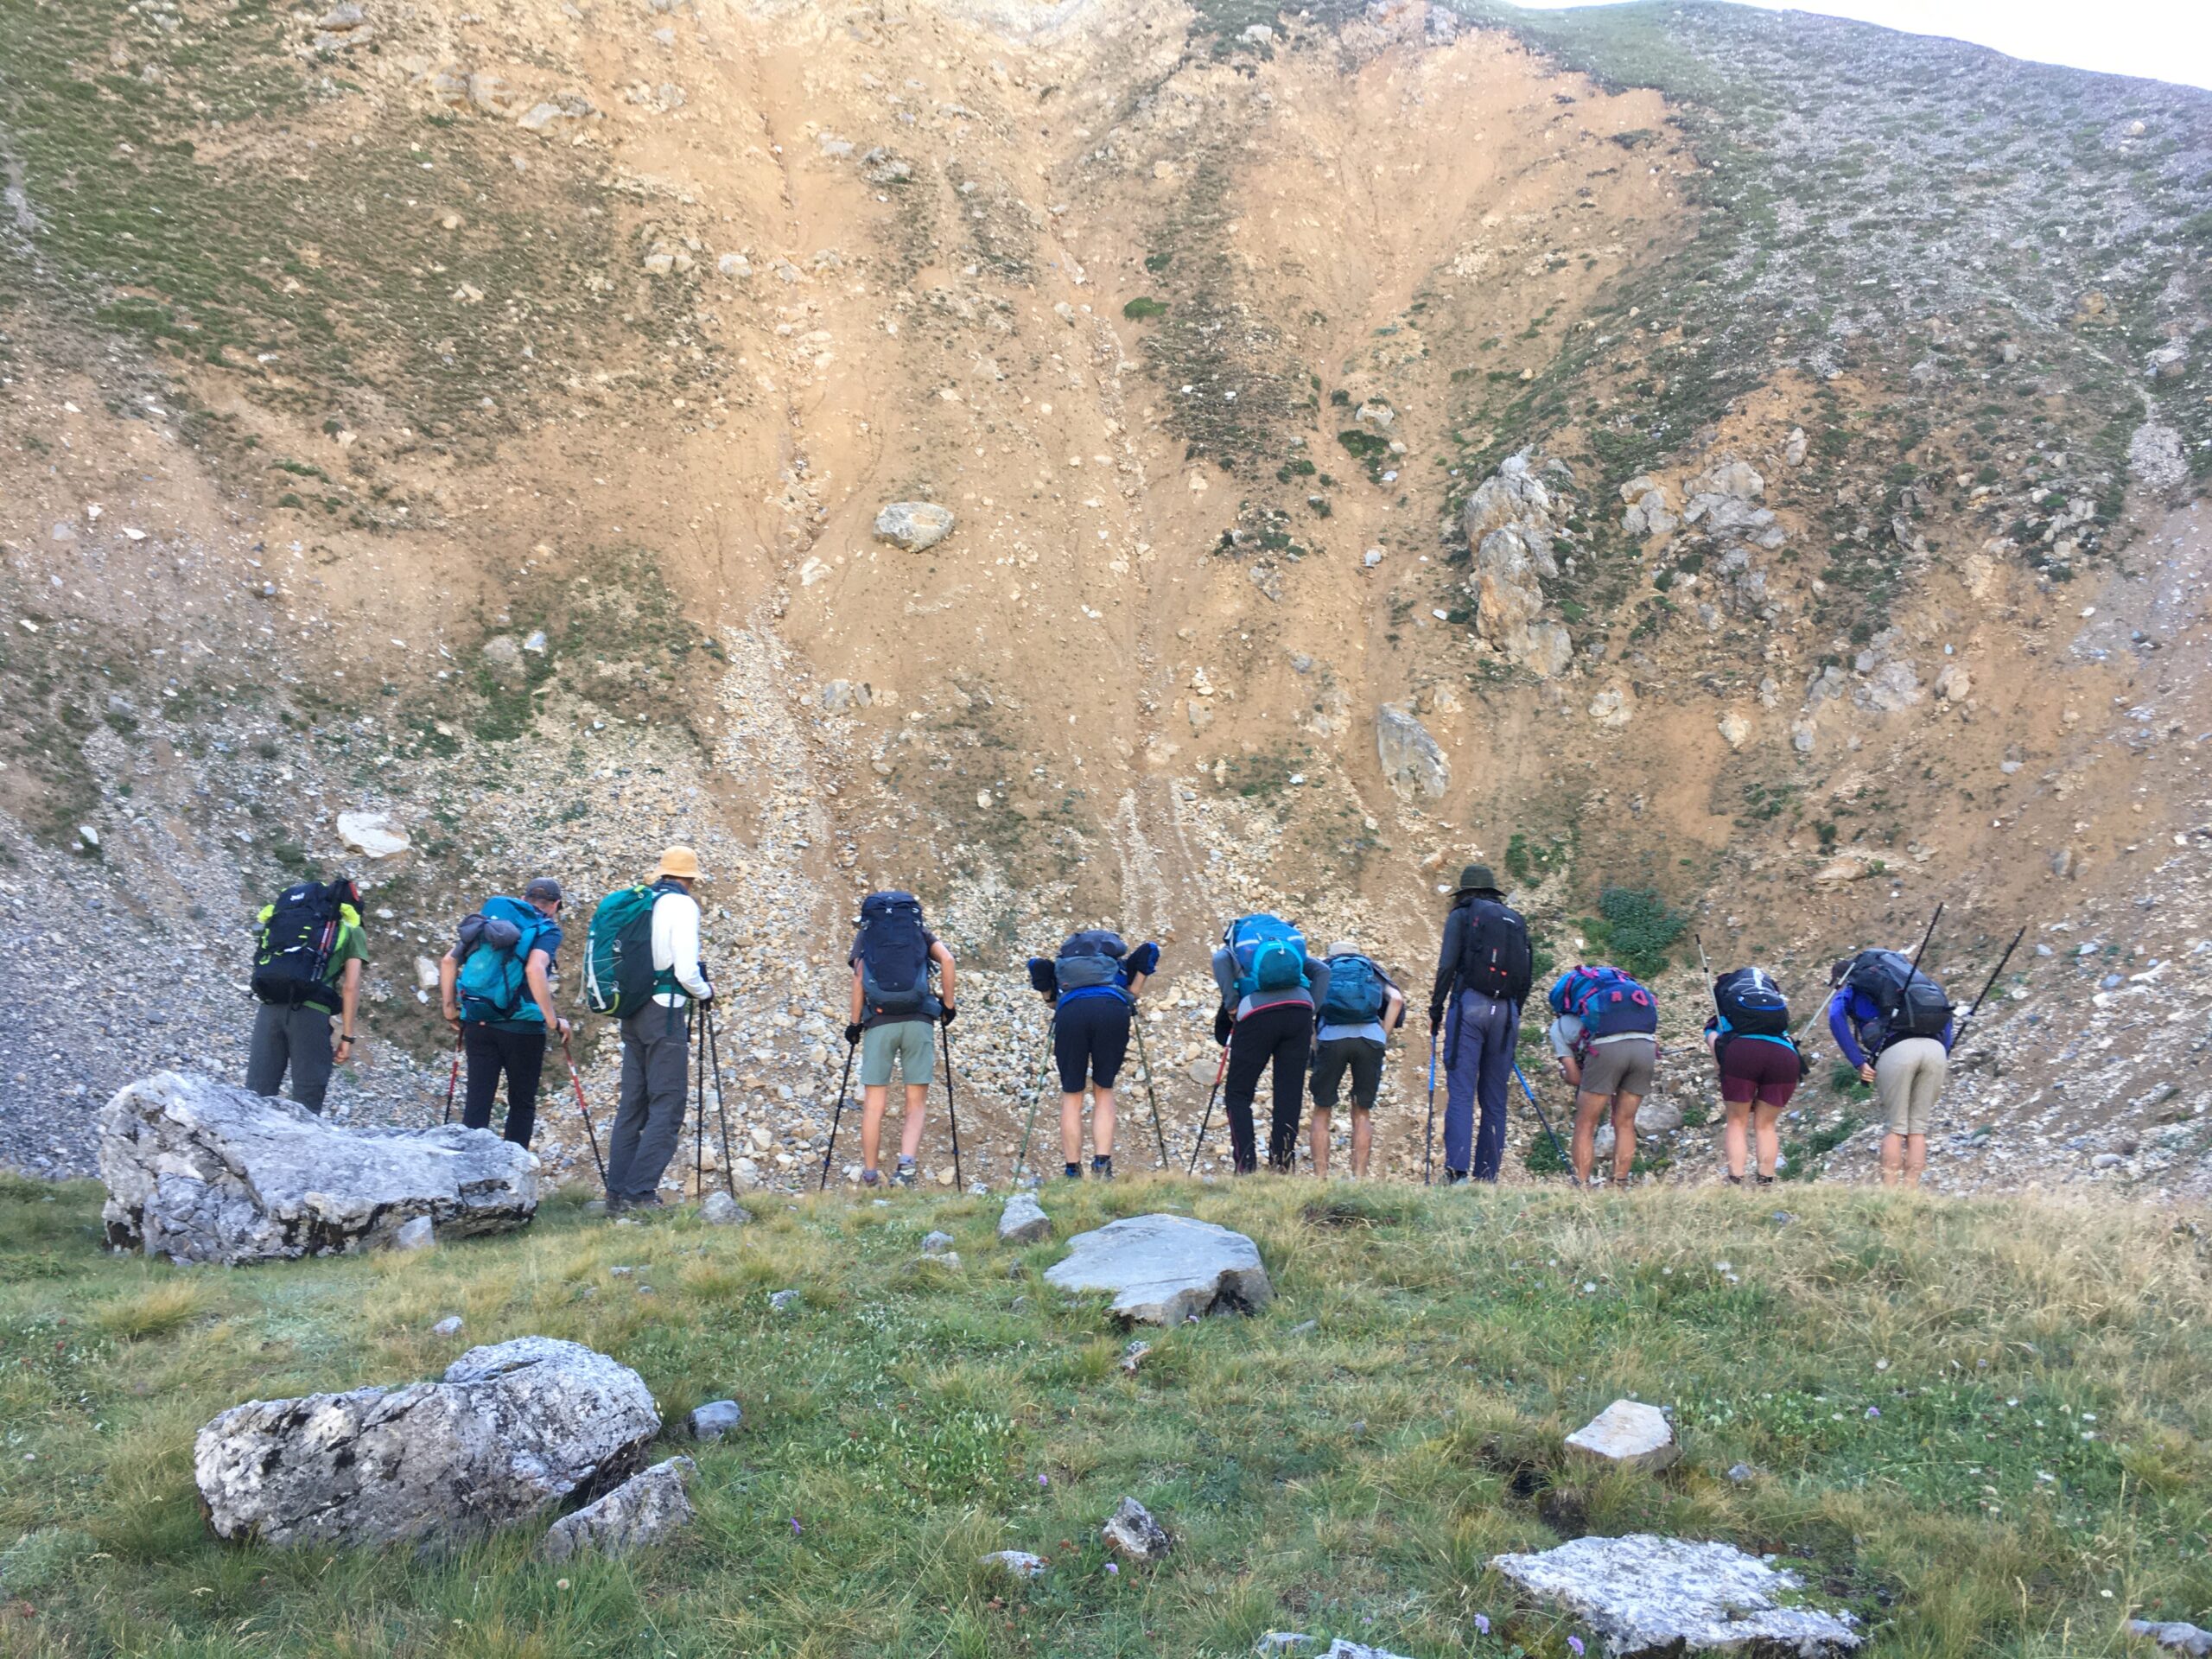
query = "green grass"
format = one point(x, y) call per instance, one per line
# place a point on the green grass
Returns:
point(1903, 1374)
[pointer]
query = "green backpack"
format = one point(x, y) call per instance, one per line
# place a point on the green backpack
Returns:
point(619, 951)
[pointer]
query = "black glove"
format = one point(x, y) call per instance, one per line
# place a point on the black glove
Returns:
point(852, 1033)
point(1436, 1020)
point(1223, 1025)
point(1145, 959)
point(945, 1017)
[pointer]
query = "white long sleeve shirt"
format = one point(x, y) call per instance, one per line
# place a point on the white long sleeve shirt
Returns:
point(675, 946)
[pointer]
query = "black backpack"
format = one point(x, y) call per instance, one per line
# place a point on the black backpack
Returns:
point(1089, 958)
point(894, 955)
point(1911, 1004)
point(298, 933)
point(1751, 1004)
point(1494, 954)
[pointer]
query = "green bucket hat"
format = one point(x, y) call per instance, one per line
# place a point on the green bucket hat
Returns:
point(1477, 878)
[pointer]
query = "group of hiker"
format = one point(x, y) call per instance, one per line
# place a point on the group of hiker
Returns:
point(1302, 1022)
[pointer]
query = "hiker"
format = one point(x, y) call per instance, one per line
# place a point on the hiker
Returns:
point(1893, 1023)
point(306, 970)
point(1484, 969)
point(894, 1020)
point(1269, 988)
point(1605, 1040)
point(1748, 1032)
point(1353, 1024)
point(1093, 984)
point(496, 983)
point(656, 1014)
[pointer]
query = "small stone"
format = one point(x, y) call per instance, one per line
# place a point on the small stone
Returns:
point(721, 1210)
point(1741, 1473)
point(2180, 1636)
point(1735, 730)
point(714, 1419)
point(1132, 1533)
point(1273, 1644)
point(1133, 1355)
point(1630, 1435)
point(1023, 1221)
point(936, 1243)
point(1019, 1562)
point(915, 525)
point(416, 1235)
point(372, 835)
point(784, 1301)
point(448, 1326)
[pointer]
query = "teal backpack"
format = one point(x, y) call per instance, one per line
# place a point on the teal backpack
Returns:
point(1269, 955)
point(1358, 992)
point(495, 946)
point(619, 951)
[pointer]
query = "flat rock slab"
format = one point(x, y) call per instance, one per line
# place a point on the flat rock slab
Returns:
point(1164, 1269)
point(510, 1430)
point(643, 1509)
point(1627, 1434)
point(1646, 1595)
point(1024, 1221)
point(201, 1171)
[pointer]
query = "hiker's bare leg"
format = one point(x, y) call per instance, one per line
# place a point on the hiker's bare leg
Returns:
point(1102, 1122)
point(1916, 1158)
point(873, 1100)
point(1320, 1140)
point(910, 1132)
point(1768, 1123)
point(1071, 1128)
point(1588, 1109)
point(1735, 1137)
point(1892, 1158)
point(1362, 1141)
point(1624, 1134)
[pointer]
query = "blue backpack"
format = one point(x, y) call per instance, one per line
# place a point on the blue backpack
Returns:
point(1608, 1002)
point(494, 947)
point(1269, 955)
point(1358, 992)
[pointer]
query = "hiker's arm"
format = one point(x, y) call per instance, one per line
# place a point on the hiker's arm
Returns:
point(449, 977)
point(860, 999)
point(349, 998)
point(1394, 1008)
point(1448, 967)
point(1317, 979)
point(1839, 1027)
point(541, 988)
point(683, 948)
point(943, 957)
point(1144, 962)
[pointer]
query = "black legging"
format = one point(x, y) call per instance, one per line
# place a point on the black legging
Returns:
point(1284, 1034)
point(521, 1055)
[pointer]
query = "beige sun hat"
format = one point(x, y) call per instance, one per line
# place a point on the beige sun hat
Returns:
point(681, 862)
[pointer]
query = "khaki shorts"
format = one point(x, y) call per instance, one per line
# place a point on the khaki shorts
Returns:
point(911, 1043)
point(1623, 1067)
point(1907, 1076)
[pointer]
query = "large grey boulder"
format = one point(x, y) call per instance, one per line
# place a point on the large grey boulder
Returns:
point(1648, 1594)
point(643, 1509)
point(914, 525)
point(201, 1171)
point(1163, 1270)
point(1413, 762)
point(511, 1430)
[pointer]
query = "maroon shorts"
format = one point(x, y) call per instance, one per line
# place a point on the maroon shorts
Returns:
point(1752, 1067)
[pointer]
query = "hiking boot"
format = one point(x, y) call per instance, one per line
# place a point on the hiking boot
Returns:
point(1071, 1172)
point(871, 1177)
point(1101, 1169)
point(1766, 1180)
point(907, 1174)
point(615, 1206)
point(1454, 1177)
point(1732, 1180)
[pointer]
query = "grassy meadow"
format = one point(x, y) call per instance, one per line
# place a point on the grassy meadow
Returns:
point(1980, 1425)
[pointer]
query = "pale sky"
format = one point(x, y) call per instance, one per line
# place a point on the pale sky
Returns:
point(2161, 40)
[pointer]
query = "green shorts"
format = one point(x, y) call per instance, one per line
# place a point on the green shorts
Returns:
point(913, 1043)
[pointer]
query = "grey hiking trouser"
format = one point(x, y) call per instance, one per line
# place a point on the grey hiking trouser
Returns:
point(294, 1039)
point(649, 1118)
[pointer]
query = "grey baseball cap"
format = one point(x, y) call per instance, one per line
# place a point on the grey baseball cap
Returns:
point(542, 886)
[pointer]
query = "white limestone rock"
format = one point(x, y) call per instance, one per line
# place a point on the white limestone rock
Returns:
point(201, 1171)
point(644, 1510)
point(1024, 1221)
point(1131, 1533)
point(1413, 761)
point(1628, 1433)
point(1644, 1594)
point(509, 1430)
point(1163, 1270)
point(915, 525)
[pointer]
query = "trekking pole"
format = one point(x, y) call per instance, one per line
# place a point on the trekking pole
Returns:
point(1704, 967)
point(1428, 1135)
point(699, 1117)
point(453, 1082)
point(1036, 1097)
point(1221, 1072)
point(584, 1112)
point(843, 1083)
point(952, 1111)
point(1546, 1121)
point(1959, 1037)
point(1924, 937)
point(1145, 1059)
point(722, 1116)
